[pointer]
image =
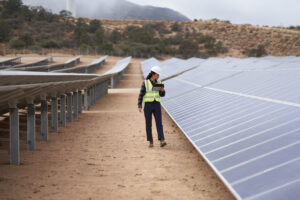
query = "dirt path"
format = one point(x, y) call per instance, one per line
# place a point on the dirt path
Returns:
point(104, 155)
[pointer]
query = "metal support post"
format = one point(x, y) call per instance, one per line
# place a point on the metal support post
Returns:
point(69, 105)
point(75, 104)
point(97, 93)
point(92, 96)
point(112, 82)
point(14, 136)
point(94, 92)
point(54, 114)
point(63, 111)
point(44, 120)
point(31, 127)
point(80, 102)
point(86, 104)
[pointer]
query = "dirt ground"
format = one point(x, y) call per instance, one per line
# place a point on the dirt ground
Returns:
point(104, 155)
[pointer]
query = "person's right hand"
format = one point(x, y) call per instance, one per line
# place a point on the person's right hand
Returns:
point(140, 109)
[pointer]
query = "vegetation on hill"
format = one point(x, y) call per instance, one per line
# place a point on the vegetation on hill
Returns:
point(36, 28)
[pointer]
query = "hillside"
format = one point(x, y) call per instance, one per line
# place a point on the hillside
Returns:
point(38, 29)
point(236, 38)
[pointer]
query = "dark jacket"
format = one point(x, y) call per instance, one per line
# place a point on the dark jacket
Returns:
point(143, 92)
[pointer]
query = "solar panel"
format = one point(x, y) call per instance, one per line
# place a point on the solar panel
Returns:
point(243, 116)
point(170, 67)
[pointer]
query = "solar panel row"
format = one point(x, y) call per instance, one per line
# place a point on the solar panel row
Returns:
point(243, 116)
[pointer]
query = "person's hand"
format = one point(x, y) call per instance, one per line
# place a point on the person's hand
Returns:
point(162, 89)
point(140, 109)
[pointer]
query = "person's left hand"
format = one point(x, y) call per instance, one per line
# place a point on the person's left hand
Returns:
point(162, 89)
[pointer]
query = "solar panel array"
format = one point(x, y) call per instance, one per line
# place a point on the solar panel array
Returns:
point(243, 116)
point(171, 67)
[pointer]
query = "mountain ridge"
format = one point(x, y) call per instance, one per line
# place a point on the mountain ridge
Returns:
point(113, 9)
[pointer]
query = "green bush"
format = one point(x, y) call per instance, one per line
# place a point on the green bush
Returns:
point(50, 44)
point(17, 44)
point(143, 35)
point(80, 34)
point(99, 37)
point(188, 48)
point(256, 52)
point(175, 40)
point(107, 46)
point(115, 36)
point(12, 5)
point(161, 28)
point(176, 27)
point(27, 39)
point(94, 26)
point(206, 39)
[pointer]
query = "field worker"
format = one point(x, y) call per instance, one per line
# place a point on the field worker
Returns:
point(152, 105)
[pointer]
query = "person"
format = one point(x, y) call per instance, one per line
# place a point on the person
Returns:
point(152, 101)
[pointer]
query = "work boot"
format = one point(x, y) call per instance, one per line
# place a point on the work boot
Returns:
point(151, 144)
point(162, 143)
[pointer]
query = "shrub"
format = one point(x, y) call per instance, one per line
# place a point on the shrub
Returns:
point(65, 14)
point(161, 28)
point(94, 26)
point(107, 46)
point(176, 27)
point(207, 39)
point(12, 5)
point(143, 35)
point(175, 40)
point(115, 36)
point(99, 37)
point(80, 34)
point(17, 44)
point(27, 39)
point(188, 48)
point(50, 44)
point(256, 52)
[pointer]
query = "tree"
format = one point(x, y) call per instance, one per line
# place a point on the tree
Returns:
point(13, 5)
point(94, 26)
point(80, 33)
point(107, 46)
point(27, 39)
point(143, 35)
point(65, 14)
point(115, 36)
point(4, 31)
point(99, 37)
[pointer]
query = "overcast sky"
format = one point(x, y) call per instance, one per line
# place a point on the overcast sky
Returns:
point(256, 12)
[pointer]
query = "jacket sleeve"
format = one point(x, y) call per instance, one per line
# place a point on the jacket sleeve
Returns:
point(141, 95)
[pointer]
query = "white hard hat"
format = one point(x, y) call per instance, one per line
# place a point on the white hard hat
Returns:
point(156, 69)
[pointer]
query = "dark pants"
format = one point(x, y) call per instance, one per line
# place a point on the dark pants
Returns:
point(153, 107)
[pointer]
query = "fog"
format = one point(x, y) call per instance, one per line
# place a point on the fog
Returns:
point(256, 12)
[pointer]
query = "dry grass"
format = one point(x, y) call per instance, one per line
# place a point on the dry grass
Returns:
point(277, 41)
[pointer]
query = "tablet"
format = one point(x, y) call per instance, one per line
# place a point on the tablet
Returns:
point(157, 86)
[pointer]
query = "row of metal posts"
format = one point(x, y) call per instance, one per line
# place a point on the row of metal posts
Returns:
point(72, 101)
